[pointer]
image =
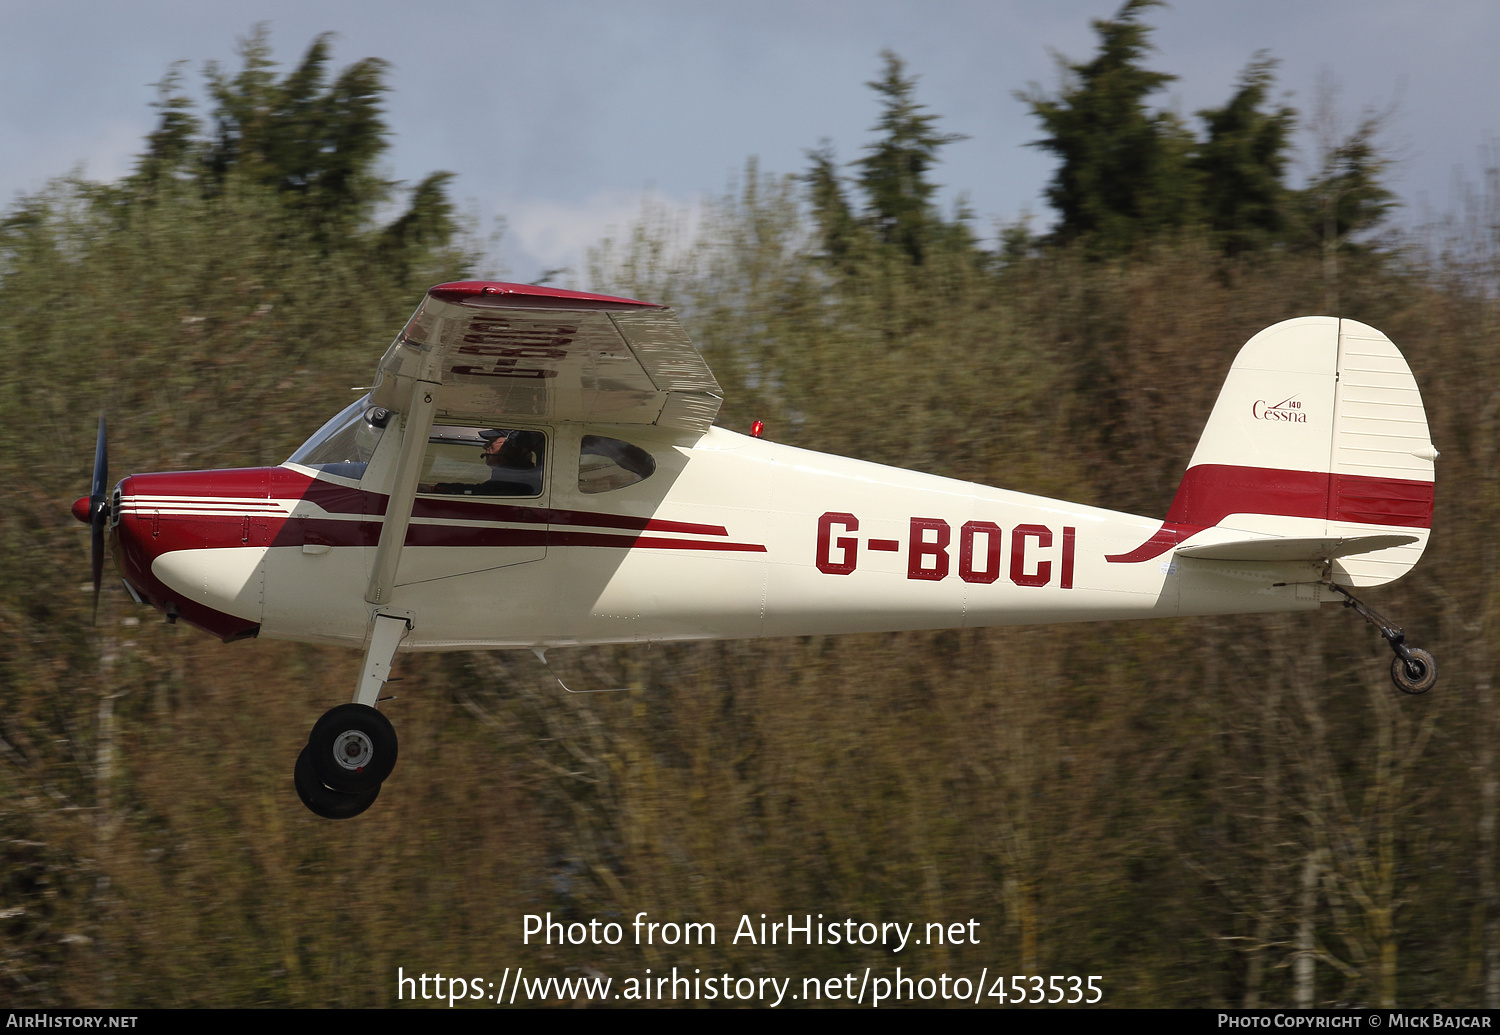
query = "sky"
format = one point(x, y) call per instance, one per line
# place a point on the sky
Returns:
point(560, 117)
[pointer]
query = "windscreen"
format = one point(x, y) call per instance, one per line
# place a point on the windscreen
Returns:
point(344, 445)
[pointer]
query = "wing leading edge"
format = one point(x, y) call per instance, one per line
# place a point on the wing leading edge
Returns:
point(492, 350)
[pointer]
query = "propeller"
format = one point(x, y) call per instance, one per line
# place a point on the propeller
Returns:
point(93, 510)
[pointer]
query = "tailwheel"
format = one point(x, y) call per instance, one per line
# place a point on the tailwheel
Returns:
point(352, 749)
point(1414, 674)
point(1413, 670)
point(325, 801)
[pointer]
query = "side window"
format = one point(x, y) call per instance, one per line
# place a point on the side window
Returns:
point(483, 462)
point(608, 463)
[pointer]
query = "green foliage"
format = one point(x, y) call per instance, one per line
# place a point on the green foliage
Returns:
point(1347, 197)
point(1124, 171)
point(837, 226)
point(1126, 174)
point(171, 148)
point(893, 172)
point(1242, 163)
point(314, 141)
point(898, 212)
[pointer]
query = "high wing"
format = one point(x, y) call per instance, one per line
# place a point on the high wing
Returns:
point(493, 351)
point(484, 353)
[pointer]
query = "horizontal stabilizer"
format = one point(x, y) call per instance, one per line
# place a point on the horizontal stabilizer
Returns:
point(1288, 549)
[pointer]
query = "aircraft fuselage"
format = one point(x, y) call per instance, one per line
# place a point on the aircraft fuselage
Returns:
point(731, 537)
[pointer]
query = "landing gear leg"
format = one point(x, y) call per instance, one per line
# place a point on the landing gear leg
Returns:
point(352, 748)
point(1413, 670)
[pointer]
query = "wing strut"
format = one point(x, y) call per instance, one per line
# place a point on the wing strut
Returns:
point(416, 427)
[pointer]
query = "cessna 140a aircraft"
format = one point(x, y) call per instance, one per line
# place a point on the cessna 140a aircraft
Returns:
point(536, 468)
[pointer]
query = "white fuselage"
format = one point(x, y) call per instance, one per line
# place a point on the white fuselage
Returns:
point(731, 537)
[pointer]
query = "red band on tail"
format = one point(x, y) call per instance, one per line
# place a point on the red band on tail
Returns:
point(1211, 492)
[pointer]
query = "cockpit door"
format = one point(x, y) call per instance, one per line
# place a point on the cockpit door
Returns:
point(482, 502)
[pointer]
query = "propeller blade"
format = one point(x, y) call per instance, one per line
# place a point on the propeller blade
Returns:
point(99, 513)
point(101, 463)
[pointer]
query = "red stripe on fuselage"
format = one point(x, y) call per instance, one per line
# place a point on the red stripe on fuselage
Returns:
point(1211, 492)
point(201, 528)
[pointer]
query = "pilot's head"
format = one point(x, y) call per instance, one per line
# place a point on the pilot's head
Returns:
point(502, 447)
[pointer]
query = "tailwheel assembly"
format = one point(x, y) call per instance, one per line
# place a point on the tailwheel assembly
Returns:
point(1413, 670)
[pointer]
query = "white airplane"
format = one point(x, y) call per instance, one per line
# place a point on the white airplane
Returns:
point(536, 468)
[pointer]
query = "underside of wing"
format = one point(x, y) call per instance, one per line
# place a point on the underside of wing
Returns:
point(490, 350)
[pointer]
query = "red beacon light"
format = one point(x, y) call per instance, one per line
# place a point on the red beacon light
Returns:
point(757, 428)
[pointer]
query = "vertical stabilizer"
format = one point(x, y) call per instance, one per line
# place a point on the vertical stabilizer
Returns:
point(1318, 434)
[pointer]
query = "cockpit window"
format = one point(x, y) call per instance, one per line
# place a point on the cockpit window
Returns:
point(344, 445)
point(608, 463)
point(463, 461)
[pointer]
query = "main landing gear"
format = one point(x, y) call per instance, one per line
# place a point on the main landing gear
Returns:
point(350, 752)
point(352, 748)
point(1413, 670)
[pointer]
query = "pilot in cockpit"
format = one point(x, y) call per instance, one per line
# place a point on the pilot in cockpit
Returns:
point(514, 459)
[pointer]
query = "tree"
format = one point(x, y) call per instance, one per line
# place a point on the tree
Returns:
point(893, 172)
point(1346, 197)
point(837, 225)
point(1124, 169)
point(1241, 164)
point(171, 147)
point(313, 139)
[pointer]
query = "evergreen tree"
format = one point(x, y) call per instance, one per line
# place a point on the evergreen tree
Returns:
point(1124, 169)
point(1347, 196)
point(837, 227)
point(1241, 164)
point(171, 148)
point(893, 172)
point(312, 138)
point(313, 141)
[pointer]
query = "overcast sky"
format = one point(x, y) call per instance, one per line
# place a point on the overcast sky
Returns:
point(560, 116)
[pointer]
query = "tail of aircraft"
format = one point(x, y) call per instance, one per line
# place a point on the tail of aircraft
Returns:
point(1318, 448)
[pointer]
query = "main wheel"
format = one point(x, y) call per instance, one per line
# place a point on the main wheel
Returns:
point(325, 801)
point(1416, 676)
point(352, 748)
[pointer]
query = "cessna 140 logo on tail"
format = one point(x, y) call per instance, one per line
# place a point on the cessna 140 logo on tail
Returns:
point(536, 468)
point(1287, 410)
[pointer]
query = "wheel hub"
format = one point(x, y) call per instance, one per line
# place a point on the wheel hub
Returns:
point(353, 750)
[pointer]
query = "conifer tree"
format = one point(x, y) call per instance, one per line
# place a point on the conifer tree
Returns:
point(313, 138)
point(315, 142)
point(1124, 169)
point(837, 226)
point(1241, 165)
point(893, 172)
point(1347, 197)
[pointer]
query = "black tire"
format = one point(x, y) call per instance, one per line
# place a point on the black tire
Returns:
point(325, 801)
point(1416, 676)
point(352, 748)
